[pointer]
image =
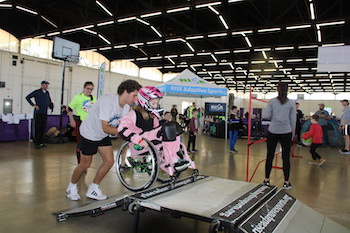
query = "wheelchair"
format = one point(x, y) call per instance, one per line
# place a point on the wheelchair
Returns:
point(164, 159)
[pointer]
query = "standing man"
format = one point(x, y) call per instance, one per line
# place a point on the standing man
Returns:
point(324, 117)
point(102, 120)
point(345, 126)
point(42, 103)
point(191, 109)
point(300, 116)
point(174, 112)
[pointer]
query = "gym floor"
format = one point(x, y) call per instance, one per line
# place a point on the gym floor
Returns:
point(34, 182)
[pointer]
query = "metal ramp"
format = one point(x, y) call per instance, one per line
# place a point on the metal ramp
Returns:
point(228, 205)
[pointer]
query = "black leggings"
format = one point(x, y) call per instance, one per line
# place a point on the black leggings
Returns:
point(314, 154)
point(286, 143)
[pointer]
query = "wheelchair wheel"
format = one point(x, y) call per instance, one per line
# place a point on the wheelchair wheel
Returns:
point(139, 171)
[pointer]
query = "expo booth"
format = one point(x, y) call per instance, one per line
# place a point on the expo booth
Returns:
point(188, 84)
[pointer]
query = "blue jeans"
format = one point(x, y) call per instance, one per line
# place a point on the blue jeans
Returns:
point(233, 139)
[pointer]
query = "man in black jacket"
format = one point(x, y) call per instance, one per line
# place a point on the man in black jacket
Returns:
point(42, 103)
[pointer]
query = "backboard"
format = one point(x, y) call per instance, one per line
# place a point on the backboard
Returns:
point(65, 50)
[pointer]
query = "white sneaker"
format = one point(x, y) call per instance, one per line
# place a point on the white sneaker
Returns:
point(95, 193)
point(72, 193)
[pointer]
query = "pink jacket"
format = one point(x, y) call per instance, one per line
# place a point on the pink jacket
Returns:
point(129, 130)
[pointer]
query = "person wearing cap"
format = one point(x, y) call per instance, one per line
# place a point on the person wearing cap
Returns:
point(345, 126)
point(42, 103)
point(323, 121)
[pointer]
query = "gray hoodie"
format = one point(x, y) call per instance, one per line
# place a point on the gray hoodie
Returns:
point(282, 116)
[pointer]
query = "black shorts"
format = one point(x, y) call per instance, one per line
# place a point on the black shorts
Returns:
point(346, 130)
point(88, 147)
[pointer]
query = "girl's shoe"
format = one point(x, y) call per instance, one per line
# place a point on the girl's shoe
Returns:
point(313, 161)
point(266, 182)
point(287, 185)
point(321, 161)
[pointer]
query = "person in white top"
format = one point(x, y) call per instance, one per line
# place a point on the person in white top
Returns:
point(103, 119)
point(345, 126)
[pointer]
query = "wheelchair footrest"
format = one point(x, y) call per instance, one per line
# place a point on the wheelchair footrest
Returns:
point(180, 166)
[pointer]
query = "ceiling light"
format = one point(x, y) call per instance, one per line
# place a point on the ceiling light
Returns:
point(214, 10)
point(248, 41)
point(90, 31)
point(194, 37)
point(120, 46)
point(312, 11)
point(104, 8)
point(332, 45)
point(156, 31)
point(27, 10)
point(105, 23)
point(49, 21)
point(178, 9)
point(331, 23)
point(69, 30)
point(208, 4)
point(232, 1)
point(222, 52)
point(142, 59)
point(294, 60)
point(169, 67)
point(311, 59)
point(263, 49)
point(242, 51)
point(40, 36)
point(151, 14)
point(214, 58)
point(319, 38)
point(154, 58)
point(154, 42)
point(175, 39)
point(308, 46)
point(242, 32)
point(298, 27)
point(135, 45)
point(241, 63)
point(269, 30)
point(190, 46)
point(284, 48)
point(126, 19)
point(105, 48)
point(203, 54)
point(264, 54)
point(232, 67)
point(142, 21)
point(170, 56)
point(187, 55)
point(193, 67)
point(84, 27)
point(217, 35)
point(258, 62)
point(5, 5)
point(53, 33)
point(223, 22)
point(103, 38)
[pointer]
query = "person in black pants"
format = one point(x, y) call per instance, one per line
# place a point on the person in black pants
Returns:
point(193, 132)
point(42, 103)
point(300, 116)
point(282, 113)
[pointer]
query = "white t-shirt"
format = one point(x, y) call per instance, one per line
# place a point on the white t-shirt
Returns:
point(106, 108)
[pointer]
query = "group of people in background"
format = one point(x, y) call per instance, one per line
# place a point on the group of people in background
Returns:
point(94, 121)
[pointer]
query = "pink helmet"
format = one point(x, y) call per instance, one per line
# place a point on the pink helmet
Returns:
point(145, 95)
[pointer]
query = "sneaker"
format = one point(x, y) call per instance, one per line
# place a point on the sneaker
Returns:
point(287, 185)
point(266, 182)
point(189, 151)
point(345, 152)
point(95, 194)
point(313, 161)
point(195, 151)
point(236, 151)
point(322, 160)
point(233, 151)
point(37, 146)
point(42, 145)
point(72, 193)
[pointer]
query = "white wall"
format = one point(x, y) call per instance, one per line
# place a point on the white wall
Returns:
point(30, 71)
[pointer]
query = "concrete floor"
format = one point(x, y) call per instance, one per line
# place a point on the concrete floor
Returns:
point(34, 181)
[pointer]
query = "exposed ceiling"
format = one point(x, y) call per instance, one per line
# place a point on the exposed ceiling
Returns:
point(234, 43)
